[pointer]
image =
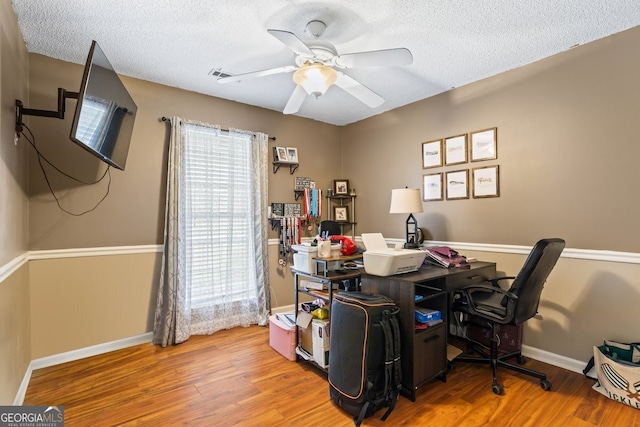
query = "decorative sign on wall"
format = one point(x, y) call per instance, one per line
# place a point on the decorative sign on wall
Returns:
point(303, 182)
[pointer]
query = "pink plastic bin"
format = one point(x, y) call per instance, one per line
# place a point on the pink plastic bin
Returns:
point(281, 338)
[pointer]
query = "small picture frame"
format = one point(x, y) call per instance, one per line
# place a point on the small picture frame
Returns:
point(292, 154)
point(457, 184)
point(341, 213)
point(486, 182)
point(432, 187)
point(341, 187)
point(432, 154)
point(484, 145)
point(281, 154)
point(455, 149)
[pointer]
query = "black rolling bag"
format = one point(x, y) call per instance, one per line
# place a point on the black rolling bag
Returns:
point(364, 360)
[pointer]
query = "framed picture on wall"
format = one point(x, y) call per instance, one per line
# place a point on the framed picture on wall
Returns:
point(281, 154)
point(455, 150)
point(432, 154)
point(457, 184)
point(432, 187)
point(292, 154)
point(341, 213)
point(341, 187)
point(486, 182)
point(484, 145)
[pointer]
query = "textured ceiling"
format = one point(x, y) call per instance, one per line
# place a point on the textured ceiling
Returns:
point(178, 43)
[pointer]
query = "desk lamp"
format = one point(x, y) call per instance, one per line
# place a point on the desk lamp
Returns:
point(408, 200)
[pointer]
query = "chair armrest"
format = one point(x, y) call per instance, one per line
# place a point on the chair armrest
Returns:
point(468, 290)
point(466, 298)
point(495, 281)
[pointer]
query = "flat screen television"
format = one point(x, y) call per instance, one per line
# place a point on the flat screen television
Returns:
point(105, 112)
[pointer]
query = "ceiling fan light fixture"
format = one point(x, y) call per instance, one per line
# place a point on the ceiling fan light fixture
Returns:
point(315, 78)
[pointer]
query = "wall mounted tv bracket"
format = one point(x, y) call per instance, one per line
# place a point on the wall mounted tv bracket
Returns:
point(62, 97)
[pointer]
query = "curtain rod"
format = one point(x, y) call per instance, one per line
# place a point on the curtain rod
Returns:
point(166, 119)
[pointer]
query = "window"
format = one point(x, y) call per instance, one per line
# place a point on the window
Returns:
point(220, 249)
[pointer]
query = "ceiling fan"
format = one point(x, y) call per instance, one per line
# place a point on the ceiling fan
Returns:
point(316, 62)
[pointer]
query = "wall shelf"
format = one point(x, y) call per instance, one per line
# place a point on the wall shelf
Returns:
point(343, 200)
point(292, 166)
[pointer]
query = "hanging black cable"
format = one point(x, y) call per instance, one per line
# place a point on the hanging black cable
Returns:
point(32, 141)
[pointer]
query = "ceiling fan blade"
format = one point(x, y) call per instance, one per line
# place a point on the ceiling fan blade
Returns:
point(374, 58)
point(292, 42)
point(295, 102)
point(359, 91)
point(254, 74)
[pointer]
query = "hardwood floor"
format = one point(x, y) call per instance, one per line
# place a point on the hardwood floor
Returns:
point(234, 378)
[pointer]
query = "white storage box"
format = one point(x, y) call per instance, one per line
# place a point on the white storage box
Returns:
point(321, 342)
point(320, 333)
point(321, 356)
point(303, 258)
point(380, 260)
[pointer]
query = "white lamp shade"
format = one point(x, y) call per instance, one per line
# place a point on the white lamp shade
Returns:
point(405, 200)
point(315, 79)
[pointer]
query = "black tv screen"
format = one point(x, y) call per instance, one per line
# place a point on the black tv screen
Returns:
point(105, 112)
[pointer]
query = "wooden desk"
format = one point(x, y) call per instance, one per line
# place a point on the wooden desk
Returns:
point(424, 352)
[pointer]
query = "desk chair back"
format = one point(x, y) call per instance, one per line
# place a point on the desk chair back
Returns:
point(530, 280)
point(332, 228)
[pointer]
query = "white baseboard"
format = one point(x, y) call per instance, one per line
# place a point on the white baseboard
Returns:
point(81, 353)
point(572, 365)
point(283, 309)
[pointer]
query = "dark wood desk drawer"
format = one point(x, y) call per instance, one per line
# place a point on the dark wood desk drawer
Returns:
point(470, 277)
point(430, 354)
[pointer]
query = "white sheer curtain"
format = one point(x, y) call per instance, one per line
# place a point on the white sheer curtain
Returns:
point(215, 268)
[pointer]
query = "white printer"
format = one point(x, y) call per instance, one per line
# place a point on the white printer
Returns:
point(381, 260)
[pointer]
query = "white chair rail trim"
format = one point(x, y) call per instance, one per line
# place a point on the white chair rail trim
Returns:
point(584, 254)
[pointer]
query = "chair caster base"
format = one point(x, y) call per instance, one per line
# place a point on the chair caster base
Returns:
point(546, 385)
point(497, 388)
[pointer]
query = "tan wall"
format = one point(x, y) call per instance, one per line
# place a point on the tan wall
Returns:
point(14, 67)
point(15, 350)
point(15, 333)
point(133, 212)
point(85, 301)
point(567, 152)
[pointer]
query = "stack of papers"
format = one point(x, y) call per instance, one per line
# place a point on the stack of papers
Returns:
point(287, 318)
point(436, 255)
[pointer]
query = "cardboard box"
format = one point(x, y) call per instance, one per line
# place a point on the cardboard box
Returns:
point(282, 338)
point(305, 331)
point(314, 337)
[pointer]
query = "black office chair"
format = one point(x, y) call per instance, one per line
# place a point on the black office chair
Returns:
point(331, 227)
point(494, 306)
